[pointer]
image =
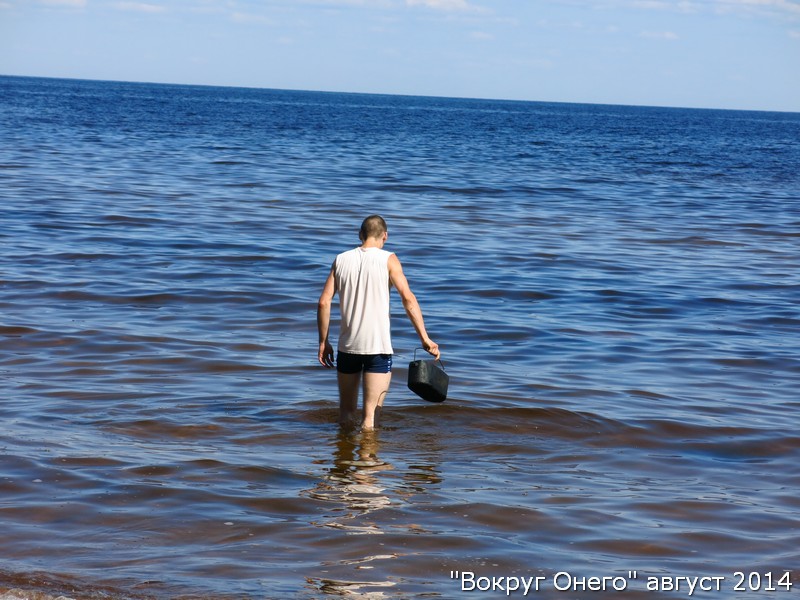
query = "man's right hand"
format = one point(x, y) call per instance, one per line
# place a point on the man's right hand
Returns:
point(326, 355)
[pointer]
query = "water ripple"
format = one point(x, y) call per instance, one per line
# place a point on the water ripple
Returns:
point(614, 289)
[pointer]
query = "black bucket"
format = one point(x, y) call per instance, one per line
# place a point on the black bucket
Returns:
point(427, 379)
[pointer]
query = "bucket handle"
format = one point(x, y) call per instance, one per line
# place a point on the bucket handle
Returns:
point(439, 360)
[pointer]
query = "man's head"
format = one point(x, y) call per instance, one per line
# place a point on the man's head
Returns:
point(373, 227)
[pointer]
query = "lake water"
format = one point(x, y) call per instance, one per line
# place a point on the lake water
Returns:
point(615, 291)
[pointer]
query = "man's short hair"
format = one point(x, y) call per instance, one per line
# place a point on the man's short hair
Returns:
point(372, 227)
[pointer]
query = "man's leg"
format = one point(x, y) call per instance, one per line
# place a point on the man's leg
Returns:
point(348, 397)
point(376, 386)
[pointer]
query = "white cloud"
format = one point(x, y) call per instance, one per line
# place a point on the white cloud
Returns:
point(140, 7)
point(791, 7)
point(764, 7)
point(346, 3)
point(795, 34)
point(448, 5)
point(65, 3)
point(685, 6)
point(250, 18)
point(482, 36)
point(672, 5)
point(659, 35)
point(650, 4)
point(368, 3)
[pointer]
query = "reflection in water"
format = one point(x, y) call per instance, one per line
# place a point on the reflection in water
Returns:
point(353, 485)
point(352, 588)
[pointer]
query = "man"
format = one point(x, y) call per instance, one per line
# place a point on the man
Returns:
point(363, 277)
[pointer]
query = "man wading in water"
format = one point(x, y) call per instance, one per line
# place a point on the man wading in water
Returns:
point(363, 277)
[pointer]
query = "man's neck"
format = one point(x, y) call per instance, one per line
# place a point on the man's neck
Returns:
point(372, 243)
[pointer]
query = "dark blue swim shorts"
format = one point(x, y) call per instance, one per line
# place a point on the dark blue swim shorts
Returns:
point(367, 363)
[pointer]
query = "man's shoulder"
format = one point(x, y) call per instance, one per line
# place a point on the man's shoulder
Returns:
point(346, 253)
point(346, 260)
point(356, 254)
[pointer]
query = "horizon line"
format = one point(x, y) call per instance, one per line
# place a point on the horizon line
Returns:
point(397, 95)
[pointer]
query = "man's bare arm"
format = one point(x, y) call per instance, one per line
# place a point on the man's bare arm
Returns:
point(399, 281)
point(325, 355)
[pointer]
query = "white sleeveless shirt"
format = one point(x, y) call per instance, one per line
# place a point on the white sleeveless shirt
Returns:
point(362, 280)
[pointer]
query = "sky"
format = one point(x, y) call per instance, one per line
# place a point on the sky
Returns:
point(733, 54)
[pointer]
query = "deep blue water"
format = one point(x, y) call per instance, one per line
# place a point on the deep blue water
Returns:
point(615, 291)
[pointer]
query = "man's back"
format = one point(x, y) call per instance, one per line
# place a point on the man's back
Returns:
point(362, 280)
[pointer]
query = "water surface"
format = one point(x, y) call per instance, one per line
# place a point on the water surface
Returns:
point(615, 290)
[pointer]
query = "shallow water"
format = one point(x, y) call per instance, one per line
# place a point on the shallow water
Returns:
point(615, 290)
